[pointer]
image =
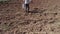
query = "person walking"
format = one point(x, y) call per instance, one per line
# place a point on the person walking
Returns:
point(26, 5)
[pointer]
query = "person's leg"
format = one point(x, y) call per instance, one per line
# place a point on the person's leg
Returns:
point(27, 7)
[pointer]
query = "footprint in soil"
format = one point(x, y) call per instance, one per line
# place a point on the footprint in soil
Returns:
point(52, 22)
point(18, 32)
point(25, 23)
point(21, 33)
point(11, 24)
point(55, 14)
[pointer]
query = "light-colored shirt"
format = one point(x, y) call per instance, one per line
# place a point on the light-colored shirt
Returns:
point(27, 1)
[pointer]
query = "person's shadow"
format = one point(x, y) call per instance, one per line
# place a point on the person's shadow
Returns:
point(37, 10)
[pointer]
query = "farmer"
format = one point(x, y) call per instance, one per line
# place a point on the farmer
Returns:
point(26, 3)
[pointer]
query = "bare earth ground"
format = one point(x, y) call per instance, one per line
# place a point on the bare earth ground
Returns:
point(43, 18)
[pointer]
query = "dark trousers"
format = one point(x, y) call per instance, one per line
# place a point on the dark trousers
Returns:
point(27, 7)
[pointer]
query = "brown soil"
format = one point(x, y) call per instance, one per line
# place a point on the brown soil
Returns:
point(43, 18)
